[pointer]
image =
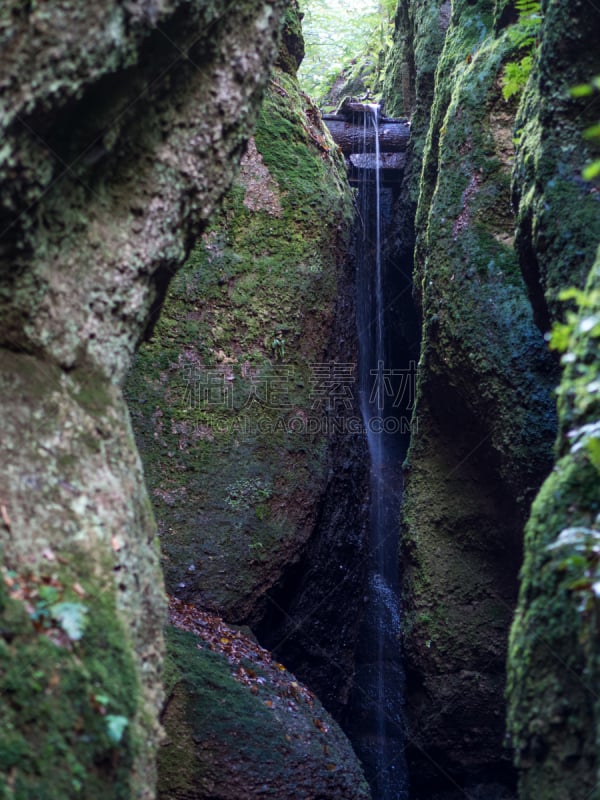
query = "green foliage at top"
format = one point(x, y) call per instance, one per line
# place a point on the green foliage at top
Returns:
point(523, 35)
point(337, 33)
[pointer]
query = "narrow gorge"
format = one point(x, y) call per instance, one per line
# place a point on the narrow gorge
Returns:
point(300, 494)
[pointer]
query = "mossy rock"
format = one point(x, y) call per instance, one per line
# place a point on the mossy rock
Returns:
point(227, 740)
point(558, 212)
point(484, 418)
point(554, 714)
point(69, 696)
point(222, 395)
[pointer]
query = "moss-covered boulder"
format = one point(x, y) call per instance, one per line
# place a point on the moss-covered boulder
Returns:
point(484, 418)
point(230, 398)
point(244, 401)
point(69, 728)
point(121, 127)
point(238, 724)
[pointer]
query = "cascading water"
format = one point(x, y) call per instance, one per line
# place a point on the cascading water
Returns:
point(379, 683)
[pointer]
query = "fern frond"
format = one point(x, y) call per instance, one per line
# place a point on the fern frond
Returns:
point(526, 7)
point(523, 35)
point(515, 77)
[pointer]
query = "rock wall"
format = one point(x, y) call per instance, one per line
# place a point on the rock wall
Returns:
point(553, 661)
point(243, 405)
point(121, 128)
point(484, 414)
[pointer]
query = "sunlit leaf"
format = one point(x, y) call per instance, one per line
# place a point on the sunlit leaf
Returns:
point(572, 293)
point(592, 447)
point(115, 727)
point(577, 537)
point(593, 132)
point(591, 171)
point(102, 699)
point(582, 90)
point(559, 338)
point(71, 617)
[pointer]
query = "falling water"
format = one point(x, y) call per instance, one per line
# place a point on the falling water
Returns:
point(378, 699)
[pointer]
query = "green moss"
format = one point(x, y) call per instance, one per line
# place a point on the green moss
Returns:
point(291, 50)
point(558, 220)
point(263, 736)
point(54, 738)
point(204, 676)
point(484, 372)
point(250, 312)
point(553, 662)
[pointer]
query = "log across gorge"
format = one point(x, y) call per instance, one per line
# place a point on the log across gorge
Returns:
point(358, 145)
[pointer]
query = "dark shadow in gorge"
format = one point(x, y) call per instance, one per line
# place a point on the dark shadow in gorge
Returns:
point(376, 709)
point(316, 619)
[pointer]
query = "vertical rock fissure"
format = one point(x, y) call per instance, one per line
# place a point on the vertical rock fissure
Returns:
point(377, 729)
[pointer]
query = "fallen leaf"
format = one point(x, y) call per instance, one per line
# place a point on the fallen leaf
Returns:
point(5, 517)
point(320, 725)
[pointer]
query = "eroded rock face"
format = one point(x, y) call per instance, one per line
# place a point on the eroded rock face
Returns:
point(121, 128)
point(484, 419)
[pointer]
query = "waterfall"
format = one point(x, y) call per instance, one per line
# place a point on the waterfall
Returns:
point(377, 729)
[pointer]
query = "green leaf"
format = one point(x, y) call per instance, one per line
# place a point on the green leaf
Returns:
point(102, 699)
point(49, 594)
point(115, 727)
point(593, 132)
point(528, 6)
point(591, 171)
point(559, 339)
point(592, 447)
point(515, 77)
point(573, 293)
point(71, 617)
point(582, 90)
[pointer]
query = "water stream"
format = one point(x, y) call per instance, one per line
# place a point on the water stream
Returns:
point(378, 697)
